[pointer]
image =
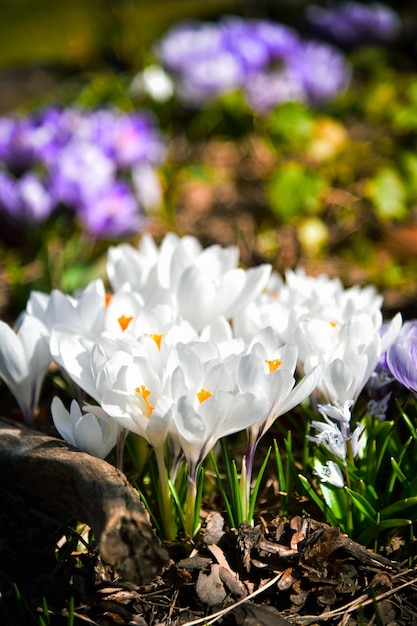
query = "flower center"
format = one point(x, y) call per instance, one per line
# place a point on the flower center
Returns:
point(273, 365)
point(333, 324)
point(157, 339)
point(144, 393)
point(203, 395)
point(124, 321)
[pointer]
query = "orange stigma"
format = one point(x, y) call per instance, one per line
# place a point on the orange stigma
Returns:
point(124, 322)
point(144, 393)
point(107, 299)
point(203, 395)
point(157, 339)
point(273, 365)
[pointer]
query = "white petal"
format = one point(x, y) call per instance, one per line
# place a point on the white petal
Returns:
point(196, 297)
point(62, 420)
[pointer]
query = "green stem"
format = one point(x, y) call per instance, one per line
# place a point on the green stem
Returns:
point(190, 502)
point(165, 502)
point(349, 515)
point(244, 491)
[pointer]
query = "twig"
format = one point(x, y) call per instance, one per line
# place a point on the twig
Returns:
point(362, 601)
point(211, 619)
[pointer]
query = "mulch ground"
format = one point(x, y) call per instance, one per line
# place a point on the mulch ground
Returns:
point(295, 571)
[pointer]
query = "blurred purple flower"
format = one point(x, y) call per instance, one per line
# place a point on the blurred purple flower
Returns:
point(82, 160)
point(136, 141)
point(113, 212)
point(268, 61)
point(81, 169)
point(322, 70)
point(188, 41)
point(353, 23)
point(26, 199)
point(34, 200)
point(401, 358)
point(269, 89)
point(8, 196)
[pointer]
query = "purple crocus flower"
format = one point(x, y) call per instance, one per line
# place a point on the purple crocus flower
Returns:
point(25, 200)
point(269, 89)
point(19, 153)
point(80, 171)
point(86, 161)
point(322, 70)
point(188, 41)
point(401, 358)
point(34, 202)
point(268, 61)
point(241, 39)
point(353, 23)
point(8, 196)
point(113, 212)
point(281, 41)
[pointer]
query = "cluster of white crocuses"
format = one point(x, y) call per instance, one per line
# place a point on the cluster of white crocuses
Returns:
point(186, 347)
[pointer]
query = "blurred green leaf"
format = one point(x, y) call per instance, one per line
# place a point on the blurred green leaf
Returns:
point(387, 192)
point(408, 163)
point(291, 122)
point(294, 190)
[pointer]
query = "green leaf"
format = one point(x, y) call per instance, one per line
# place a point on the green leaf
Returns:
point(232, 482)
point(387, 192)
point(408, 163)
point(294, 190)
point(291, 122)
point(335, 499)
point(313, 495)
point(399, 473)
point(257, 485)
point(280, 469)
point(223, 491)
point(319, 501)
point(363, 505)
point(399, 507)
point(411, 489)
point(373, 530)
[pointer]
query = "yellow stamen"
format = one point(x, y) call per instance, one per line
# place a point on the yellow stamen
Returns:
point(157, 339)
point(203, 395)
point(333, 324)
point(124, 322)
point(273, 365)
point(144, 393)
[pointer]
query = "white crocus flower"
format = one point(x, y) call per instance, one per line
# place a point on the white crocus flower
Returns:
point(92, 431)
point(329, 473)
point(24, 361)
point(133, 396)
point(204, 418)
point(85, 310)
point(268, 370)
point(352, 361)
point(201, 284)
point(205, 415)
point(122, 313)
point(133, 268)
point(200, 299)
